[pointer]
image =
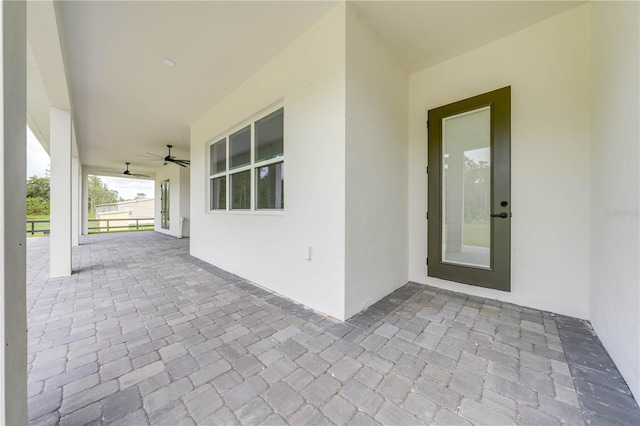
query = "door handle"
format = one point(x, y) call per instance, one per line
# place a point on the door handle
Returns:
point(502, 215)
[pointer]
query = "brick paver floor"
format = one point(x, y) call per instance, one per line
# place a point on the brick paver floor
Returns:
point(143, 333)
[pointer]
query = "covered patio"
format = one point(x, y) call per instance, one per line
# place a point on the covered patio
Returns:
point(144, 333)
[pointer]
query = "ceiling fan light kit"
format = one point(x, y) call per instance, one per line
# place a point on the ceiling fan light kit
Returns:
point(128, 173)
point(171, 159)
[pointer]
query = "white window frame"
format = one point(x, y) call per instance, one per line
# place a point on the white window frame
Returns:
point(252, 167)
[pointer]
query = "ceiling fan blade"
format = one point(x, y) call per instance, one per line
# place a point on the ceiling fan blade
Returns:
point(175, 162)
point(139, 175)
point(149, 157)
point(111, 171)
point(181, 163)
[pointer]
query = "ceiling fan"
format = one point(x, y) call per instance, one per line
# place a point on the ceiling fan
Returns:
point(168, 159)
point(127, 172)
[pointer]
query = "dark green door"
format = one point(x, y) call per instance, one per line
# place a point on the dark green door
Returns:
point(165, 197)
point(469, 184)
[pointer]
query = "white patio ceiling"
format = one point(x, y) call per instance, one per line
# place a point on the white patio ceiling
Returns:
point(126, 102)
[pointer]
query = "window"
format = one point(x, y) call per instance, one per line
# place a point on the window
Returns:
point(240, 143)
point(270, 136)
point(218, 157)
point(219, 193)
point(247, 167)
point(241, 190)
point(270, 184)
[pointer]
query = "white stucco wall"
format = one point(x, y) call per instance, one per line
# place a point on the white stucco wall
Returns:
point(377, 88)
point(179, 198)
point(615, 184)
point(547, 67)
point(308, 79)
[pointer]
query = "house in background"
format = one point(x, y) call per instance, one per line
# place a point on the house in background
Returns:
point(137, 209)
point(309, 144)
point(131, 209)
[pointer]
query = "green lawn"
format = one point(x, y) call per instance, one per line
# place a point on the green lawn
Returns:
point(37, 227)
point(477, 234)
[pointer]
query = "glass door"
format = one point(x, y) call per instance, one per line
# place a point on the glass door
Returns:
point(165, 196)
point(469, 191)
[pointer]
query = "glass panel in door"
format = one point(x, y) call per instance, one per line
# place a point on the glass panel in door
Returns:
point(466, 188)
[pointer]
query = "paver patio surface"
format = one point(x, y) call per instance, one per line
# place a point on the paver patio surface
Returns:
point(144, 333)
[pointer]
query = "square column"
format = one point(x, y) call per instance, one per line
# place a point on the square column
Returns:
point(61, 190)
point(13, 154)
point(75, 201)
point(84, 205)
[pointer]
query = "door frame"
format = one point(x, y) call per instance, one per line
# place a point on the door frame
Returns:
point(498, 275)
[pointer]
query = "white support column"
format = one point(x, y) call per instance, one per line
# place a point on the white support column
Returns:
point(13, 140)
point(80, 201)
point(61, 188)
point(75, 201)
point(85, 203)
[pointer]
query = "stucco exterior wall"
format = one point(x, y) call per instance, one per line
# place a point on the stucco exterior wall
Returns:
point(271, 248)
point(547, 67)
point(614, 264)
point(376, 228)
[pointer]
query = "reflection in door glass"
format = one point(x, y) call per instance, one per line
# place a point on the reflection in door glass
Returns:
point(466, 188)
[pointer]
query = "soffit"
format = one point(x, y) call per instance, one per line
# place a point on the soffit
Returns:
point(46, 50)
point(37, 102)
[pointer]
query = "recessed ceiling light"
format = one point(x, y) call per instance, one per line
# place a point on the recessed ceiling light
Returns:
point(168, 62)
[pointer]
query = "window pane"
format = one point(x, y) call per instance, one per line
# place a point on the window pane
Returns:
point(270, 136)
point(219, 193)
point(218, 157)
point(270, 186)
point(240, 147)
point(241, 190)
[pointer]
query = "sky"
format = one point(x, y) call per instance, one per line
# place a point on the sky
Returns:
point(38, 161)
point(37, 157)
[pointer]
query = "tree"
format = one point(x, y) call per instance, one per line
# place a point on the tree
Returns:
point(38, 187)
point(140, 196)
point(99, 193)
point(38, 192)
point(477, 194)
